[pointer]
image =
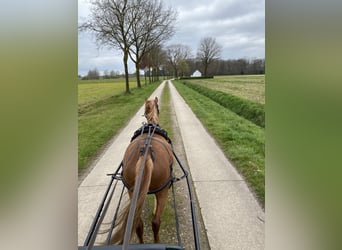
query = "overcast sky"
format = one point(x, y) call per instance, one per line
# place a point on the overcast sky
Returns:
point(238, 26)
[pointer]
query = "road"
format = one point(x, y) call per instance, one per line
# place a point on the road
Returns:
point(232, 217)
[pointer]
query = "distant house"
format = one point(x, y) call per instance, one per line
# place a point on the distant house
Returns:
point(197, 73)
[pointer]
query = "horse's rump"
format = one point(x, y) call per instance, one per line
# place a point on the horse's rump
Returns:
point(161, 155)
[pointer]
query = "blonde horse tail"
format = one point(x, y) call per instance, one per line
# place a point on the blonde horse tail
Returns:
point(119, 234)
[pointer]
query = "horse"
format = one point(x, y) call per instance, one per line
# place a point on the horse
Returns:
point(156, 177)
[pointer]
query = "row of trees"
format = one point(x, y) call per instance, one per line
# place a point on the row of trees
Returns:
point(139, 28)
point(229, 67)
point(177, 59)
point(187, 67)
point(94, 74)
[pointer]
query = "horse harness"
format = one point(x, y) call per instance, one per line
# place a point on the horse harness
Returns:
point(106, 201)
point(150, 130)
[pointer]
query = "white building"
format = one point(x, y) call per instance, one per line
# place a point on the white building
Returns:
point(197, 73)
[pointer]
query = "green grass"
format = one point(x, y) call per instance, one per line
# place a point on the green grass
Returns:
point(165, 111)
point(101, 120)
point(93, 92)
point(132, 81)
point(242, 141)
point(250, 87)
point(251, 111)
point(168, 217)
point(90, 91)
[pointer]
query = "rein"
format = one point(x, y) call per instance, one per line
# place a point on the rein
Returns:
point(136, 191)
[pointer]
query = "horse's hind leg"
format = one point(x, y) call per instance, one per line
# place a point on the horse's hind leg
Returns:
point(161, 199)
point(140, 231)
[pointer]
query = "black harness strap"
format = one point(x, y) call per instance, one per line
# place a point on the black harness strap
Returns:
point(158, 130)
point(168, 182)
point(154, 191)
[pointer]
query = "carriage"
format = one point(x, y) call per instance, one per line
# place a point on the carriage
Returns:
point(145, 169)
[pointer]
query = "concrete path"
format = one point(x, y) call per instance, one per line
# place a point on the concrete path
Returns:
point(232, 217)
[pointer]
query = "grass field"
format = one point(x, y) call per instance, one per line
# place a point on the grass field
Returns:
point(101, 118)
point(90, 91)
point(251, 87)
point(245, 108)
point(93, 92)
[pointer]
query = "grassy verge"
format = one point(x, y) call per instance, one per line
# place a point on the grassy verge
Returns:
point(242, 141)
point(251, 111)
point(168, 225)
point(101, 120)
point(165, 117)
point(167, 229)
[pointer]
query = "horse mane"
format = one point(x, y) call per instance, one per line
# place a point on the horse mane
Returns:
point(151, 110)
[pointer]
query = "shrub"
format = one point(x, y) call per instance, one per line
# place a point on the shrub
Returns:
point(195, 77)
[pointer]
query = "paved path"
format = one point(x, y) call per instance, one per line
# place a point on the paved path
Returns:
point(232, 217)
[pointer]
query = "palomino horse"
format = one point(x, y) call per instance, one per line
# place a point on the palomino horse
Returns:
point(156, 176)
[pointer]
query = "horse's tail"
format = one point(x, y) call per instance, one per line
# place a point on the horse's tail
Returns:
point(118, 236)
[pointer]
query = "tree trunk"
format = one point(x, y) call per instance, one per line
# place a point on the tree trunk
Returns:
point(138, 74)
point(157, 72)
point(125, 61)
point(149, 74)
point(205, 65)
point(152, 74)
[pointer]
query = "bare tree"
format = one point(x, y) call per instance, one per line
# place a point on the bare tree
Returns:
point(93, 74)
point(110, 24)
point(151, 25)
point(153, 61)
point(183, 68)
point(158, 58)
point(133, 26)
point(176, 53)
point(208, 51)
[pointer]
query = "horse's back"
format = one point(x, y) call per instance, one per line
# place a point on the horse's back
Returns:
point(160, 154)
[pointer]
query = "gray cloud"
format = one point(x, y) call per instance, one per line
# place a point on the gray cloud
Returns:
point(239, 26)
point(236, 25)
